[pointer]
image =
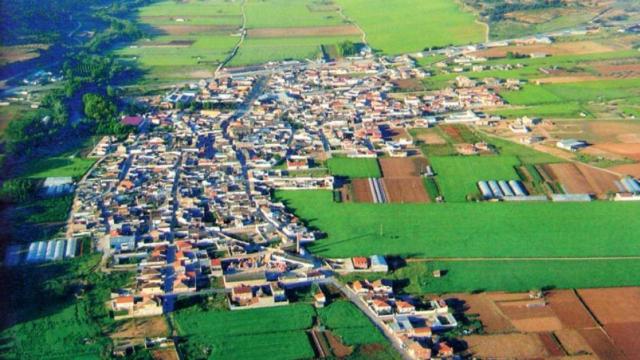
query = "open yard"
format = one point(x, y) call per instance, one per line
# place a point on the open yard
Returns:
point(468, 229)
point(399, 26)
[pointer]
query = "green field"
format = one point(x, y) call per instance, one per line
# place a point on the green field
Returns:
point(288, 13)
point(400, 26)
point(354, 167)
point(75, 167)
point(524, 275)
point(604, 90)
point(458, 175)
point(468, 229)
point(46, 320)
point(347, 321)
point(273, 333)
point(262, 50)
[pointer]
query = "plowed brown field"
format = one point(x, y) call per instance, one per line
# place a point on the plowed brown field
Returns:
point(362, 191)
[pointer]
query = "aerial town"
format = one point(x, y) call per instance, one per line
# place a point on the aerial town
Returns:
point(320, 179)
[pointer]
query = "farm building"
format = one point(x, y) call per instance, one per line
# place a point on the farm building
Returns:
point(51, 250)
point(571, 144)
point(57, 186)
point(502, 189)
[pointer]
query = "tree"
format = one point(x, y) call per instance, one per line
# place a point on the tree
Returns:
point(98, 108)
point(348, 48)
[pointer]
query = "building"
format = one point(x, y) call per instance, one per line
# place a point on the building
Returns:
point(572, 145)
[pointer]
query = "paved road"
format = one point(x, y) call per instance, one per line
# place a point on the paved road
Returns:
point(355, 299)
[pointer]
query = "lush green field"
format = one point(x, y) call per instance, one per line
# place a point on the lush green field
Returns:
point(288, 13)
point(523, 275)
point(400, 26)
point(354, 167)
point(75, 167)
point(262, 50)
point(469, 229)
point(44, 320)
point(604, 90)
point(207, 27)
point(458, 175)
point(347, 321)
point(56, 336)
point(274, 333)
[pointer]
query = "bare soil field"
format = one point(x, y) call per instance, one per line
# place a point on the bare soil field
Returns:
point(569, 309)
point(600, 302)
point(551, 344)
point(507, 346)
point(492, 318)
point(582, 179)
point(625, 336)
point(601, 345)
point(431, 138)
point(409, 84)
point(631, 151)
point(569, 48)
point(568, 79)
point(140, 328)
point(619, 71)
point(304, 31)
point(570, 177)
point(165, 354)
point(362, 191)
point(453, 133)
point(405, 190)
point(613, 131)
point(398, 167)
point(337, 347)
point(530, 318)
point(195, 29)
point(572, 341)
point(627, 169)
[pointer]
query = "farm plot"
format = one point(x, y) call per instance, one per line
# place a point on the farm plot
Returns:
point(568, 48)
point(285, 30)
point(362, 190)
point(405, 190)
point(518, 346)
point(580, 179)
point(277, 333)
point(471, 229)
point(409, 32)
point(458, 175)
point(354, 167)
point(188, 38)
point(402, 181)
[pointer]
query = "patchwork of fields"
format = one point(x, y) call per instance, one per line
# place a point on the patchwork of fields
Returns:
point(275, 333)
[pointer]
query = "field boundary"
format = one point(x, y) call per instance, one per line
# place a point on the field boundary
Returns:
point(594, 258)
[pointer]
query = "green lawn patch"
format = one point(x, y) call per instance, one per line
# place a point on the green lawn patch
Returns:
point(354, 167)
point(458, 175)
point(468, 229)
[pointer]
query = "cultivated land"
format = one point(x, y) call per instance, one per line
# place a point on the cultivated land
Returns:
point(277, 333)
point(468, 230)
point(409, 30)
point(458, 175)
point(354, 167)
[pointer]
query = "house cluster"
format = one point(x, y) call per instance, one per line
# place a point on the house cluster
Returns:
point(416, 323)
point(189, 197)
